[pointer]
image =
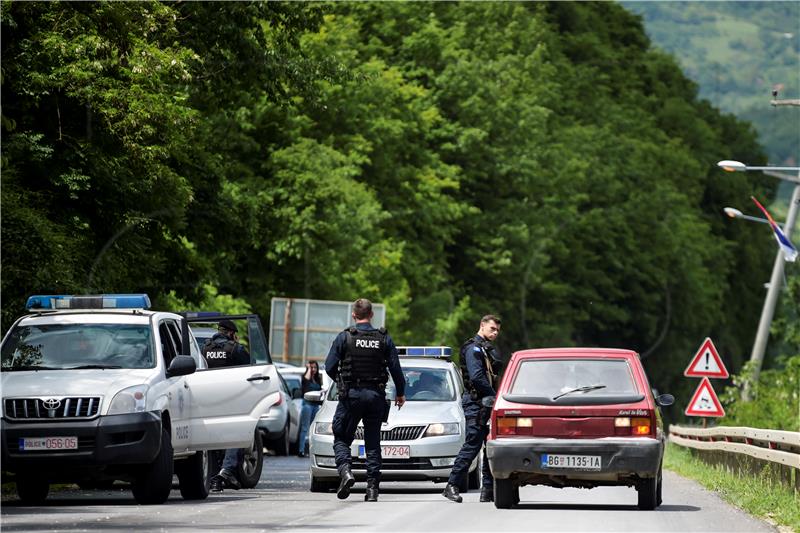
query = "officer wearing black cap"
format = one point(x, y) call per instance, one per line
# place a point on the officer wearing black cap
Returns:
point(223, 349)
point(480, 366)
point(358, 362)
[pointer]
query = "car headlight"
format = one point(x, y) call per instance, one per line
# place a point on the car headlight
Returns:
point(323, 428)
point(130, 400)
point(437, 430)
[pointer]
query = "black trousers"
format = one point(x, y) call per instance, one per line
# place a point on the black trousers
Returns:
point(361, 404)
point(474, 441)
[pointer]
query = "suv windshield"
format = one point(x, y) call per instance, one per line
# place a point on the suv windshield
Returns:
point(422, 385)
point(69, 346)
point(552, 378)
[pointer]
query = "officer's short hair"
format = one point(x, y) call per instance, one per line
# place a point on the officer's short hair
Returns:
point(490, 318)
point(362, 308)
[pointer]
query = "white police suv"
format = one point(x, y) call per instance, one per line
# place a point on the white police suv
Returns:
point(98, 388)
point(419, 442)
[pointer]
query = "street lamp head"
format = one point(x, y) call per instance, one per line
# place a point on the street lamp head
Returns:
point(732, 166)
point(732, 212)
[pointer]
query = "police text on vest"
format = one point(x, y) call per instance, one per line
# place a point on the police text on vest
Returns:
point(361, 343)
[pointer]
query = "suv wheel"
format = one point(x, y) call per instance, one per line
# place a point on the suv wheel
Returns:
point(252, 463)
point(506, 493)
point(647, 490)
point(194, 476)
point(31, 490)
point(153, 485)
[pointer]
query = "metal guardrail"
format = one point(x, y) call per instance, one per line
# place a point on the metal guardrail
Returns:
point(730, 445)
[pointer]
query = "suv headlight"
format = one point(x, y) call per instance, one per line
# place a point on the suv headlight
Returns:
point(130, 400)
point(323, 428)
point(437, 430)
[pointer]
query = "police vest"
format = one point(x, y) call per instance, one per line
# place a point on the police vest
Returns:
point(219, 354)
point(364, 361)
point(466, 351)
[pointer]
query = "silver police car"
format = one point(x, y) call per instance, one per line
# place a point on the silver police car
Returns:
point(419, 442)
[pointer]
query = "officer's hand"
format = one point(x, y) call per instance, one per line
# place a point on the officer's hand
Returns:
point(399, 401)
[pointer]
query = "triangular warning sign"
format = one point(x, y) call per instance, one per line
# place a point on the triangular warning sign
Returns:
point(704, 402)
point(706, 362)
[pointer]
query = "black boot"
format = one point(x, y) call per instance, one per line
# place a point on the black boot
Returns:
point(347, 480)
point(451, 493)
point(487, 494)
point(372, 491)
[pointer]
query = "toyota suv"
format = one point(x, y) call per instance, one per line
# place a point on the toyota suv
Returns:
point(100, 388)
point(576, 417)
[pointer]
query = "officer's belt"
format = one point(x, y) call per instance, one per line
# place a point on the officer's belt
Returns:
point(365, 384)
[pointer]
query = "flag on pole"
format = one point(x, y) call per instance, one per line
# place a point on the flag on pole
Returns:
point(789, 251)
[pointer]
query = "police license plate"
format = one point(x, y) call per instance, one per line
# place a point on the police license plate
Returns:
point(578, 462)
point(48, 443)
point(388, 451)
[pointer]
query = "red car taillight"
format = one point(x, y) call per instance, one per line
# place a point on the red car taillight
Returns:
point(634, 426)
point(514, 425)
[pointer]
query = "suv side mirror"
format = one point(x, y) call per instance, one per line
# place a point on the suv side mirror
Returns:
point(314, 396)
point(181, 365)
point(665, 400)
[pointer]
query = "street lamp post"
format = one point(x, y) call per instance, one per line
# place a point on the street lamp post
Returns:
point(768, 311)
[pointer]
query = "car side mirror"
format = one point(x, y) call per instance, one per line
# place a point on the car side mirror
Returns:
point(181, 365)
point(488, 401)
point(314, 396)
point(296, 394)
point(665, 400)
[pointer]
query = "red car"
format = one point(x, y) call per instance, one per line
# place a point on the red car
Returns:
point(576, 417)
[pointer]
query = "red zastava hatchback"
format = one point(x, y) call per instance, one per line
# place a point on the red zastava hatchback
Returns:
point(576, 417)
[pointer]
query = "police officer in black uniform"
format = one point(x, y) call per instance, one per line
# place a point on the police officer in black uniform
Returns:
point(480, 366)
point(223, 349)
point(357, 361)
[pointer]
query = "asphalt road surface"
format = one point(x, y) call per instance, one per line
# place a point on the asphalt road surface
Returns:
point(282, 502)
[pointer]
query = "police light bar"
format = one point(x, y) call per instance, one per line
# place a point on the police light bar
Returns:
point(424, 351)
point(95, 301)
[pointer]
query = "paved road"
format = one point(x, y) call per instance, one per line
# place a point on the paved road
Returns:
point(281, 502)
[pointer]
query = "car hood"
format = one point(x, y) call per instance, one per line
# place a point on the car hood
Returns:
point(411, 414)
point(88, 382)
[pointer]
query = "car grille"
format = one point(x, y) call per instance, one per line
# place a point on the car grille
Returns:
point(47, 409)
point(398, 433)
point(85, 444)
point(415, 463)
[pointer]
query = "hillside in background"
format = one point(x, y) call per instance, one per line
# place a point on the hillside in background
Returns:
point(736, 52)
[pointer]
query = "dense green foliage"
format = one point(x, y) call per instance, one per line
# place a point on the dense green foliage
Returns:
point(737, 52)
point(540, 161)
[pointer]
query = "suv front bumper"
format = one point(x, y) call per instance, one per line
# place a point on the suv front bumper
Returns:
point(133, 438)
point(622, 456)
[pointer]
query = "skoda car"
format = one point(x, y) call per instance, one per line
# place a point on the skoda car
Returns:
point(420, 440)
point(576, 417)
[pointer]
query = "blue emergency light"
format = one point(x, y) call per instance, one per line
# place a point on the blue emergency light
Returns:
point(40, 302)
point(443, 352)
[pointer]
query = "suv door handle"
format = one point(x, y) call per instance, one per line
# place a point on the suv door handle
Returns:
point(257, 377)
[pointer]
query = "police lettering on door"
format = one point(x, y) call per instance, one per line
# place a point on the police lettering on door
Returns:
point(364, 343)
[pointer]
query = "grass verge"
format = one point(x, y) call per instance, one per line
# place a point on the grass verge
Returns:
point(755, 494)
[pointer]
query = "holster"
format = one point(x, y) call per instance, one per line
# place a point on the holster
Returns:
point(484, 415)
point(342, 386)
point(386, 409)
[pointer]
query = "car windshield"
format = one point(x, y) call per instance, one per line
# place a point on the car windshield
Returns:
point(422, 385)
point(67, 346)
point(553, 377)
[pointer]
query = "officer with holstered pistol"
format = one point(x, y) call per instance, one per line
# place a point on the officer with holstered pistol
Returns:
point(480, 366)
point(358, 362)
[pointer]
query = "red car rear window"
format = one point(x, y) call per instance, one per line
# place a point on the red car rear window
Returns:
point(551, 378)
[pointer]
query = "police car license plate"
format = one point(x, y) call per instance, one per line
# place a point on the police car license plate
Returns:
point(48, 443)
point(577, 462)
point(388, 452)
